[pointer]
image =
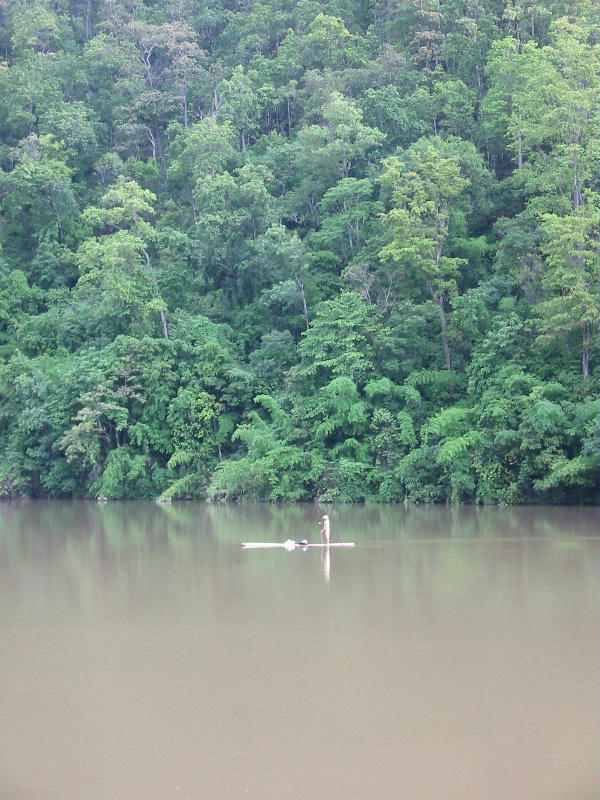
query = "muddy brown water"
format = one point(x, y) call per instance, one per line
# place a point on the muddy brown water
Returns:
point(453, 654)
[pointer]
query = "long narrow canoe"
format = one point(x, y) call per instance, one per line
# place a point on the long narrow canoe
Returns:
point(292, 545)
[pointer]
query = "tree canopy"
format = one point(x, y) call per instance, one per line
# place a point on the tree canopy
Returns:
point(293, 250)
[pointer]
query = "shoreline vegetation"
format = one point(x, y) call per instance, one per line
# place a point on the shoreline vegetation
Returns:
point(289, 251)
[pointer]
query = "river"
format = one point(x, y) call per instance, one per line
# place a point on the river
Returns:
point(453, 654)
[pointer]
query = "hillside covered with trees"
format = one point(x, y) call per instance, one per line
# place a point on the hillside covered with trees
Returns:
point(288, 249)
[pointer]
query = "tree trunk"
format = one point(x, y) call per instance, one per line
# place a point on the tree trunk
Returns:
point(161, 314)
point(163, 324)
point(152, 142)
point(158, 139)
point(88, 20)
point(577, 194)
point(440, 304)
point(300, 284)
point(585, 361)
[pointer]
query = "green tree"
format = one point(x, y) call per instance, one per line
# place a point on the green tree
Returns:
point(204, 149)
point(238, 104)
point(116, 264)
point(425, 186)
point(38, 202)
point(322, 154)
point(570, 247)
point(345, 210)
point(339, 343)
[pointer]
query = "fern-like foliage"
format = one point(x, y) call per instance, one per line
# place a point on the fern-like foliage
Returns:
point(383, 387)
point(122, 470)
point(579, 471)
point(272, 405)
point(448, 422)
point(452, 448)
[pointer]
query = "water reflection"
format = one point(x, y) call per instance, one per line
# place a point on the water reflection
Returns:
point(74, 550)
point(132, 521)
point(326, 561)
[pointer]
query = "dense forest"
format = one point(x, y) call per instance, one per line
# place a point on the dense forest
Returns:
point(287, 249)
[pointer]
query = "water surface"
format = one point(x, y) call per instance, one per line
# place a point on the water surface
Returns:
point(452, 654)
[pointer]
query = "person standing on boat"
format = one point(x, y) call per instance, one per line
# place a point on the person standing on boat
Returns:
point(325, 531)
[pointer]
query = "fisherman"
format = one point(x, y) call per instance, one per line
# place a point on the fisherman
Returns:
point(325, 532)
